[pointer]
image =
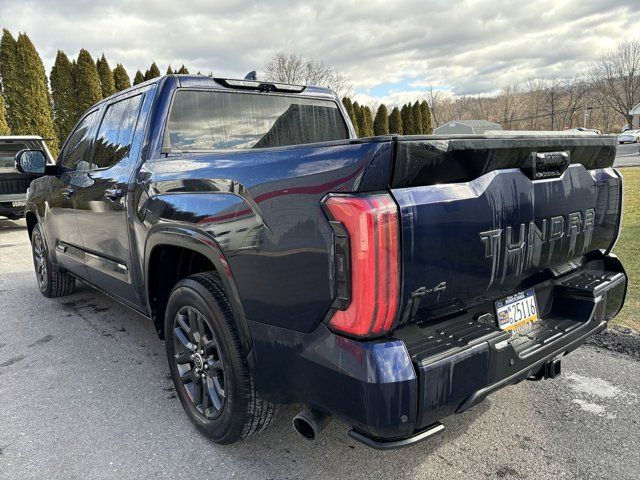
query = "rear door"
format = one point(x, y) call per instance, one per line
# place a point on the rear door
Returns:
point(61, 226)
point(100, 200)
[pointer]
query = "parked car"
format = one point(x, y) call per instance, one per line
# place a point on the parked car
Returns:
point(387, 281)
point(630, 136)
point(583, 129)
point(13, 184)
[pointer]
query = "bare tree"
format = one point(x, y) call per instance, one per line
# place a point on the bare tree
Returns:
point(292, 68)
point(616, 77)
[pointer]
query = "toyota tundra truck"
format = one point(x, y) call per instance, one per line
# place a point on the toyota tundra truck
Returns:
point(388, 282)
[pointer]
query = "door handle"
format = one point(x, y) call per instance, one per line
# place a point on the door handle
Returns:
point(68, 192)
point(113, 193)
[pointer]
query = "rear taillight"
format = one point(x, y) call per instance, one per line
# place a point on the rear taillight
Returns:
point(367, 265)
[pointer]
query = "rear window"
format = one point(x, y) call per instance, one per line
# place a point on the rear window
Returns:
point(206, 120)
point(8, 153)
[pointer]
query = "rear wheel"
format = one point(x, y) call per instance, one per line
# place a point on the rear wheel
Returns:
point(209, 370)
point(51, 282)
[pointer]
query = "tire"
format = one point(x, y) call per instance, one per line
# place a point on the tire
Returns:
point(203, 345)
point(52, 283)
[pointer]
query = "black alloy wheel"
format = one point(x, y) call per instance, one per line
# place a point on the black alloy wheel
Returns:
point(208, 365)
point(199, 362)
point(39, 261)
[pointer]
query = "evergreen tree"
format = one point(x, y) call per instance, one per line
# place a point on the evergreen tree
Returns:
point(407, 119)
point(88, 91)
point(10, 80)
point(33, 104)
point(169, 71)
point(395, 121)
point(356, 119)
point(365, 121)
point(4, 126)
point(183, 70)
point(417, 118)
point(105, 74)
point(153, 72)
point(425, 112)
point(139, 78)
point(120, 78)
point(381, 123)
point(64, 96)
point(348, 106)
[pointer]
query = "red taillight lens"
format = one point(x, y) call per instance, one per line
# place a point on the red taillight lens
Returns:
point(372, 225)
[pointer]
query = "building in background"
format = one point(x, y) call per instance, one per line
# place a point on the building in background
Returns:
point(635, 117)
point(473, 127)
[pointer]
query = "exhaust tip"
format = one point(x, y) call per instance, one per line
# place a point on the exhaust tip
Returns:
point(309, 423)
point(304, 428)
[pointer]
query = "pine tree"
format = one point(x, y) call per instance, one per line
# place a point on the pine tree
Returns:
point(395, 121)
point(10, 80)
point(153, 72)
point(381, 123)
point(64, 96)
point(365, 121)
point(120, 78)
point(425, 112)
point(139, 78)
point(356, 119)
point(105, 74)
point(33, 106)
point(88, 91)
point(169, 71)
point(417, 118)
point(407, 119)
point(183, 70)
point(4, 126)
point(348, 106)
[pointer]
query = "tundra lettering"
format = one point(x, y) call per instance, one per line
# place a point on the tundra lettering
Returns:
point(284, 261)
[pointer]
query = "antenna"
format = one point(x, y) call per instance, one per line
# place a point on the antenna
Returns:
point(251, 75)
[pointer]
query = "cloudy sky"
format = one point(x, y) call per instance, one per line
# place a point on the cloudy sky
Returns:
point(390, 50)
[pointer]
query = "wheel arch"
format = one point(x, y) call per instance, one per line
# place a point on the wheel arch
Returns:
point(180, 239)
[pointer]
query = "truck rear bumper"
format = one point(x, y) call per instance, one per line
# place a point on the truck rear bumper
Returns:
point(394, 391)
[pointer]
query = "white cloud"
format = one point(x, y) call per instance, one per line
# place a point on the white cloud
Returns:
point(474, 46)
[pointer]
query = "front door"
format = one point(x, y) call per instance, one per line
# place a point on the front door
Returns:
point(62, 233)
point(101, 200)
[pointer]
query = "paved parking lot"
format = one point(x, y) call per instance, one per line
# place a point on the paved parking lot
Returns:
point(85, 393)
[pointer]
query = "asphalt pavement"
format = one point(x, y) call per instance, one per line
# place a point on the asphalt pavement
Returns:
point(85, 392)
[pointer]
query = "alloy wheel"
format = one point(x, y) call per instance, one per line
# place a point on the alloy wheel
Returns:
point(39, 261)
point(198, 362)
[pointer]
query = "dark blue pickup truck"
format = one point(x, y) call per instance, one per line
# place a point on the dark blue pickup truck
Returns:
point(387, 281)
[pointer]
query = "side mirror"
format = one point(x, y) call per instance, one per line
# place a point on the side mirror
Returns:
point(31, 162)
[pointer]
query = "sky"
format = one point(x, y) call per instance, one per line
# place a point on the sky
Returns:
point(390, 51)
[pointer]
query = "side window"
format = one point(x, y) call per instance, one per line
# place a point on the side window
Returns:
point(115, 135)
point(78, 144)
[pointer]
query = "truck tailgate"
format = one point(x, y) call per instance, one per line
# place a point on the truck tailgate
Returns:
point(483, 218)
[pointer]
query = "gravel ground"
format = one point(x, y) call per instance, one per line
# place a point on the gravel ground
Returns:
point(85, 393)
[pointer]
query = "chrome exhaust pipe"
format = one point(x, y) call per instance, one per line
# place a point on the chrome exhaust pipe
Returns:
point(310, 422)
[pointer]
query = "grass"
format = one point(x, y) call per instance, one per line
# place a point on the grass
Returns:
point(628, 248)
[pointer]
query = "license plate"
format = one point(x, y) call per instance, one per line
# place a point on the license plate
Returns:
point(517, 311)
point(18, 204)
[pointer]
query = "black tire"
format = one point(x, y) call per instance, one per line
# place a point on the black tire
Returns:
point(52, 283)
point(220, 399)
